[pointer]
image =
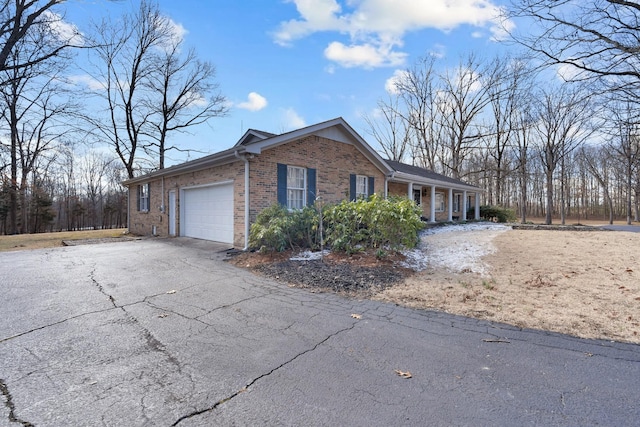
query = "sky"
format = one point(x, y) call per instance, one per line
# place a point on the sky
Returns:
point(285, 64)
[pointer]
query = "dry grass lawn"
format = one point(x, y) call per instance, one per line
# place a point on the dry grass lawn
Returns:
point(583, 283)
point(50, 240)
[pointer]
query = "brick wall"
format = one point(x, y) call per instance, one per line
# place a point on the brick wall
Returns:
point(142, 222)
point(334, 162)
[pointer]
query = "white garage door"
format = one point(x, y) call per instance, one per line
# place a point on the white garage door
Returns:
point(208, 213)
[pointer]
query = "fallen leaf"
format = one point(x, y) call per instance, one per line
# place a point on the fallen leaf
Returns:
point(356, 316)
point(629, 270)
point(172, 291)
point(162, 315)
point(93, 383)
point(403, 374)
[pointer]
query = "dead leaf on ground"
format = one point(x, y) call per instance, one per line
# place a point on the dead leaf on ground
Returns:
point(403, 374)
point(163, 315)
point(172, 291)
point(356, 316)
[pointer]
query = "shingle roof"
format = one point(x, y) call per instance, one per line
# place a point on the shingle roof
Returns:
point(422, 172)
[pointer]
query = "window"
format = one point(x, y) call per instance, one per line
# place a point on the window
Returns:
point(439, 202)
point(143, 197)
point(457, 202)
point(296, 187)
point(362, 187)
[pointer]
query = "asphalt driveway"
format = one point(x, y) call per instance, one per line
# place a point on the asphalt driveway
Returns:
point(163, 332)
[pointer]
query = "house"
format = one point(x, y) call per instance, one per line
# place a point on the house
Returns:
point(217, 197)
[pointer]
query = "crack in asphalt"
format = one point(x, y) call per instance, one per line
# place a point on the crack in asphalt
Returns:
point(252, 382)
point(9, 404)
point(54, 324)
point(100, 288)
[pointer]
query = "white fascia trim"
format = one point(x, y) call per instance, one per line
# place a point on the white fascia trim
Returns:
point(415, 179)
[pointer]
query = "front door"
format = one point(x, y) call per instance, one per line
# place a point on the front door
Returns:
point(172, 213)
point(417, 196)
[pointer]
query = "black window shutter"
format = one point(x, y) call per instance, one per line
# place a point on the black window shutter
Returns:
point(352, 187)
point(282, 184)
point(311, 186)
point(371, 187)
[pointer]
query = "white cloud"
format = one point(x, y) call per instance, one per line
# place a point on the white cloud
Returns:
point(88, 81)
point(568, 72)
point(292, 119)
point(376, 27)
point(364, 55)
point(317, 15)
point(391, 85)
point(254, 102)
point(64, 31)
point(178, 32)
point(502, 28)
point(438, 51)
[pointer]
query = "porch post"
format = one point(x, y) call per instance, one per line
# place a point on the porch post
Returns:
point(432, 205)
point(464, 205)
point(410, 190)
point(477, 206)
point(450, 203)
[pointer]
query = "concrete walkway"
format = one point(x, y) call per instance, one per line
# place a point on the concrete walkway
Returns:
point(163, 332)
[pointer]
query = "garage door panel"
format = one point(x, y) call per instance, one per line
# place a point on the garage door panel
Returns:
point(208, 213)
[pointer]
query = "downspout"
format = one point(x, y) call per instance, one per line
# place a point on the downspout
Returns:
point(246, 199)
point(129, 210)
point(386, 184)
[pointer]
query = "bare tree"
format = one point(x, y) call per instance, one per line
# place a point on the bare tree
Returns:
point(416, 88)
point(34, 101)
point(34, 22)
point(597, 160)
point(389, 129)
point(465, 93)
point(624, 141)
point(149, 89)
point(562, 123)
point(94, 169)
point(181, 85)
point(595, 38)
point(508, 97)
point(524, 125)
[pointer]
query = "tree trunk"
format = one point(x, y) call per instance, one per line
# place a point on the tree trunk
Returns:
point(549, 175)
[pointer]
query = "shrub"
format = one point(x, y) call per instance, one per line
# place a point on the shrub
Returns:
point(373, 223)
point(349, 226)
point(277, 229)
point(496, 213)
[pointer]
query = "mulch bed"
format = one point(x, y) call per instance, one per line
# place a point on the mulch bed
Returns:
point(358, 275)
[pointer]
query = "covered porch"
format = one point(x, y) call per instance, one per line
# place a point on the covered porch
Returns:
point(441, 198)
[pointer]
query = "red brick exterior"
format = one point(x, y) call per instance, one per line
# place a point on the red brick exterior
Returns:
point(334, 162)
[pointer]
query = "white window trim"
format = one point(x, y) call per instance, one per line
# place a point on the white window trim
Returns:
point(361, 194)
point(143, 200)
point(303, 188)
point(440, 202)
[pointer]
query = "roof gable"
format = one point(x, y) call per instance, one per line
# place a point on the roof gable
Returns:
point(253, 135)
